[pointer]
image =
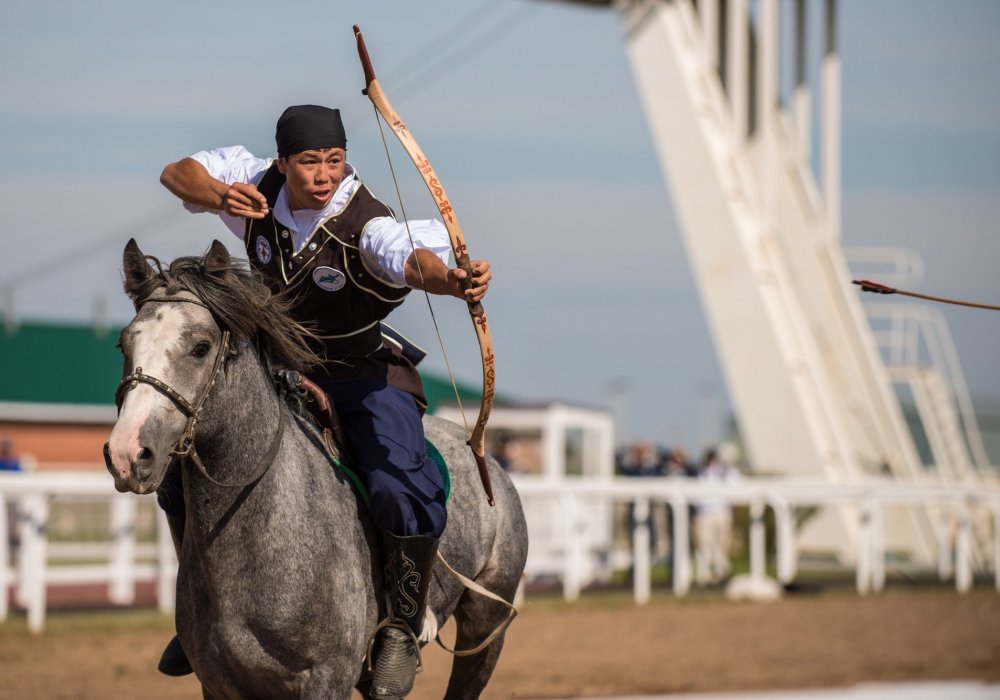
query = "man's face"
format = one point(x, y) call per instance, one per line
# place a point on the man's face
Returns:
point(313, 176)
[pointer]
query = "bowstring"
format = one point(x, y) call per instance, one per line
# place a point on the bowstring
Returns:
point(420, 271)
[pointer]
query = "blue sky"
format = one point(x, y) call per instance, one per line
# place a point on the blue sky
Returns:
point(529, 113)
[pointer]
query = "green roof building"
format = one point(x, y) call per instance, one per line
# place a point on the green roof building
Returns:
point(76, 365)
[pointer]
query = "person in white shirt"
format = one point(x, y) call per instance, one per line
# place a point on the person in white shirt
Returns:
point(713, 525)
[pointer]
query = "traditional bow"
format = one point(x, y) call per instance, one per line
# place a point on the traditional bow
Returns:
point(477, 438)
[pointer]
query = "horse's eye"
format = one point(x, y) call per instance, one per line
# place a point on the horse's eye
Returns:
point(201, 349)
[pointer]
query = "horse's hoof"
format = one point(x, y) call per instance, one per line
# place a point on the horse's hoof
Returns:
point(173, 661)
point(395, 666)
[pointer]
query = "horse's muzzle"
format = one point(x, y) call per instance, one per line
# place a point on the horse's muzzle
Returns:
point(140, 470)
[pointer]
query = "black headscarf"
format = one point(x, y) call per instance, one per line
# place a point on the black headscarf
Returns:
point(304, 127)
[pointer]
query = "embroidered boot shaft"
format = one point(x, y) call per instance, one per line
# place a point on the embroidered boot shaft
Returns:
point(408, 565)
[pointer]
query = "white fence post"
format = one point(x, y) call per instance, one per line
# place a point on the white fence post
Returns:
point(682, 549)
point(34, 556)
point(996, 546)
point(166, 566)
point(784, 538)
point(945, 554)
point(963, 559)
point(641, 566)
point(574, 556)
point(5, 578)
point(878, 547)
point(863, 572)
point(758, 546)
point(123, 510)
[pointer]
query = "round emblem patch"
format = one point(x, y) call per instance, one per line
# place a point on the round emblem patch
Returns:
point(329, 279)
point(263, 250)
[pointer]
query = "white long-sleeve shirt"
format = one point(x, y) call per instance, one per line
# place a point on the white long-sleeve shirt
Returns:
point(385, 242)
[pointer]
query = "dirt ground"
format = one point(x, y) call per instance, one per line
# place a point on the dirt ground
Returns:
point(603, 645)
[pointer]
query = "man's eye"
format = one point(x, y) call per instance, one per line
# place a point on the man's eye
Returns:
point(201, 349)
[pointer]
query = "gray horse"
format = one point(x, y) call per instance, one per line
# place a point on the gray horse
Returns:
point(279, 585)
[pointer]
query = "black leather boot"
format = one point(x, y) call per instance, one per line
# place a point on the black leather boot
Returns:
point(170, 496)
point(408, 563)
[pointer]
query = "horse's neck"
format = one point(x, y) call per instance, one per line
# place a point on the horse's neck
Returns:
point(300, 490)
point(239, 424)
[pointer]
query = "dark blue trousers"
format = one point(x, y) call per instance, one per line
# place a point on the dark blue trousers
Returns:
point(385, 439)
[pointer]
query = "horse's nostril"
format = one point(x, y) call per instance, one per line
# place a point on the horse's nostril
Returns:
point(107, 457)
point(143, 463)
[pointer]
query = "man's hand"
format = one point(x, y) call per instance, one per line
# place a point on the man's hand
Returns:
point(243, 199)
point(481, 277)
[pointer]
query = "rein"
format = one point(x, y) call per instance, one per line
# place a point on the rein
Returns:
point(184, 447)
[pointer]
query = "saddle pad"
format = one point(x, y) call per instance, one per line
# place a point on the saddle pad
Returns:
point(432, 452)
point(313, 430)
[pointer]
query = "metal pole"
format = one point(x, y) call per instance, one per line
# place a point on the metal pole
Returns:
point(738, 72)
point(831, 121)
point(802, 98)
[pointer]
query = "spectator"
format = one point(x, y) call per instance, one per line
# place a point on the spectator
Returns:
point(678, 464)
point(714, 518)
point(8, 460)
point(641, 459)
point(506, 452)
point(644, 459)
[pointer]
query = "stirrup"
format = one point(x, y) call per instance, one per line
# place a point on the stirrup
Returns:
point(403, 627)
point(395, 670)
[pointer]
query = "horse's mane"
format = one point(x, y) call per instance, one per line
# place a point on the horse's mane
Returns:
point(243, 303)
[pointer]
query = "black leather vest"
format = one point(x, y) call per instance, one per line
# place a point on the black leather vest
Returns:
point(335, 292)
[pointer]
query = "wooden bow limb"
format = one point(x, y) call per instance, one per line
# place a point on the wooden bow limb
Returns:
point(477, 438)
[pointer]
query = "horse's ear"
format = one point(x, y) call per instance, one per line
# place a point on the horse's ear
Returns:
point(217, 262)
point(136, 270)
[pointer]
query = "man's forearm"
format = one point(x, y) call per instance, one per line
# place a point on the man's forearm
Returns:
point(431, 275)
point(190, 181)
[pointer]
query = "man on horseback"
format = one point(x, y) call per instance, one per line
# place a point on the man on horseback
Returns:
point(311, 226)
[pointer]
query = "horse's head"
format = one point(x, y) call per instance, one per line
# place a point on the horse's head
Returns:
point(190, 318)
point(173, 350)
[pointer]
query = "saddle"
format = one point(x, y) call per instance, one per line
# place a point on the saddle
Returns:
point(308, 400)
point(310, 403)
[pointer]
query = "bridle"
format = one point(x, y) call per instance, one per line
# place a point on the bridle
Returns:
point(184, 448)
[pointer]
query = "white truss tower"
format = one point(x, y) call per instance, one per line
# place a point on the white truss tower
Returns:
point(802, 367)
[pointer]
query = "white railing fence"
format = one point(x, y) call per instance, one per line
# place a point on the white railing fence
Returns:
point(30, 562)
point(573, 504)
point(570, 522)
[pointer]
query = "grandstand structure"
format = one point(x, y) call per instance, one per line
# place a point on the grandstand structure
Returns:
point(814, 384)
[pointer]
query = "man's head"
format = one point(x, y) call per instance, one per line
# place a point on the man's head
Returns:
point(312, 150)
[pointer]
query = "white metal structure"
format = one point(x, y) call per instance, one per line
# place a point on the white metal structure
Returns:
point(572, 504)
point(762, 233)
